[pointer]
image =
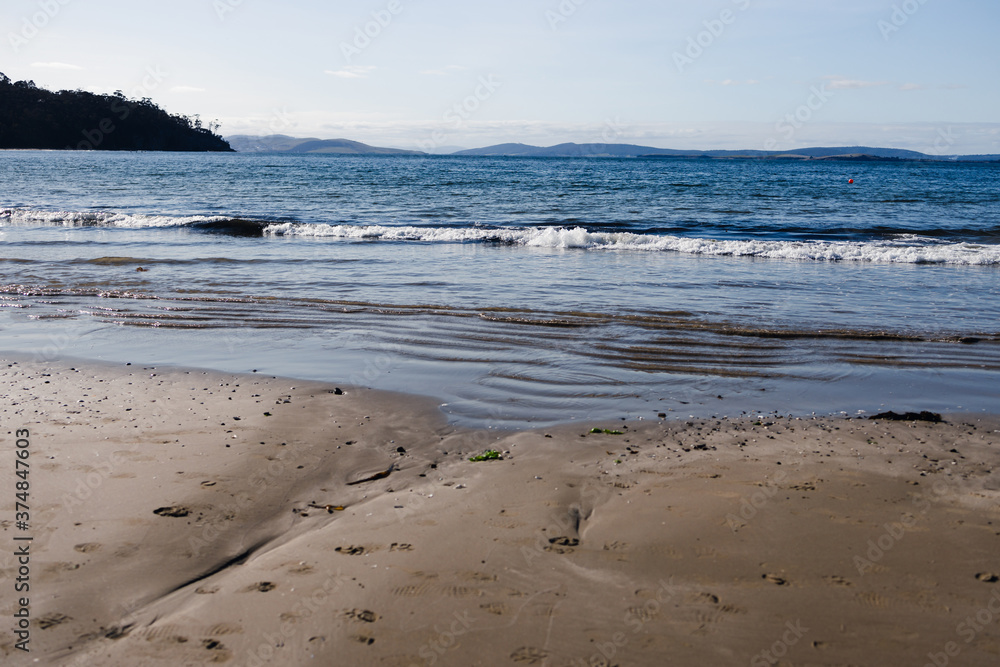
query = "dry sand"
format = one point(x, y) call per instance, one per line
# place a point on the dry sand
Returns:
point(182, 517)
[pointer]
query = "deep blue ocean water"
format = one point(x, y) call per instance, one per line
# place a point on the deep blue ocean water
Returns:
point(519, 290)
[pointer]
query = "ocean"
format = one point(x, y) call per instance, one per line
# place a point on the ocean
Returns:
point(520, 292)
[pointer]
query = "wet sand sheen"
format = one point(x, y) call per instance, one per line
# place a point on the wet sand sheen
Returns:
point(190, 516)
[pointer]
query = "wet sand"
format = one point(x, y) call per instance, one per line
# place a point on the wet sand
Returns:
point(190, 517)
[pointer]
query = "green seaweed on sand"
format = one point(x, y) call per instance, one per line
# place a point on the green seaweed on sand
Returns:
point(606, 431)
point(488, 455)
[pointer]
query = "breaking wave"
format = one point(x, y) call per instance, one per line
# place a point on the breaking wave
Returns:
point(893, 248)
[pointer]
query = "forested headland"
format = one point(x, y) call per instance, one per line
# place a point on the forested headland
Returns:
point(33, 117)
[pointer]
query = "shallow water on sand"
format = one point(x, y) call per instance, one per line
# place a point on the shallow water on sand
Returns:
point(520, 291)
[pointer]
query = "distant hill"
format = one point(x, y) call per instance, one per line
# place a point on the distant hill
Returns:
point(280, 143)
point(33, 117)
point(630, 150)
point(574, 150)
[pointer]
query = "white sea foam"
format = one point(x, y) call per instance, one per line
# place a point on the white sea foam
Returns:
point(903, 249)
point(15, 216)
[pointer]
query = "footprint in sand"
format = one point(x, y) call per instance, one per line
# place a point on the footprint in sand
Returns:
point(52, 620)
point(873, 600)
point(837, 581)
point(708, 617)
point(529, 655)
point(352, 550)
point(260, 587)
point(641, 614)
point(221, 629)
point(176, 511)
point(988, 577)
point(362, 615)
point(164, 633)
point(702, 598)
point(87, 547)
point(498, 608)
point(559, 550)
point(706, 552)
point(562, 545)
point(219, 651)
point(774, 579)
point(461, 592)
point(411, 591)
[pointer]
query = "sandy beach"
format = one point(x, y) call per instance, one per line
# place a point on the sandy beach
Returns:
point(187, 517)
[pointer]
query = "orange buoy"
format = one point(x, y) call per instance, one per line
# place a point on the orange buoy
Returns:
point(851, 181)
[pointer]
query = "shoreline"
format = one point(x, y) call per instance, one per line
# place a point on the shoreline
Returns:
point(182, 515)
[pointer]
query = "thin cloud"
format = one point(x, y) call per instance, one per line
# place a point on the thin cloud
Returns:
point(352, 72)
point(840, 83)
point(186, 89)
point(913, 86)
point(56, 66)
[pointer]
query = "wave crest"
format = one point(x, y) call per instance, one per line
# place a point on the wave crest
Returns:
point(898, 249)
point(908, 249)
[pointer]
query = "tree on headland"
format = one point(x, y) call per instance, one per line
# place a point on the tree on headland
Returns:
point(32, 117)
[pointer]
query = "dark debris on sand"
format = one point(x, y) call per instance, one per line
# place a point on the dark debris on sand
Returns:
point(924, 416)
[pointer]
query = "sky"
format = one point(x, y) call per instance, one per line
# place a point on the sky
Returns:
point(437, 75)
